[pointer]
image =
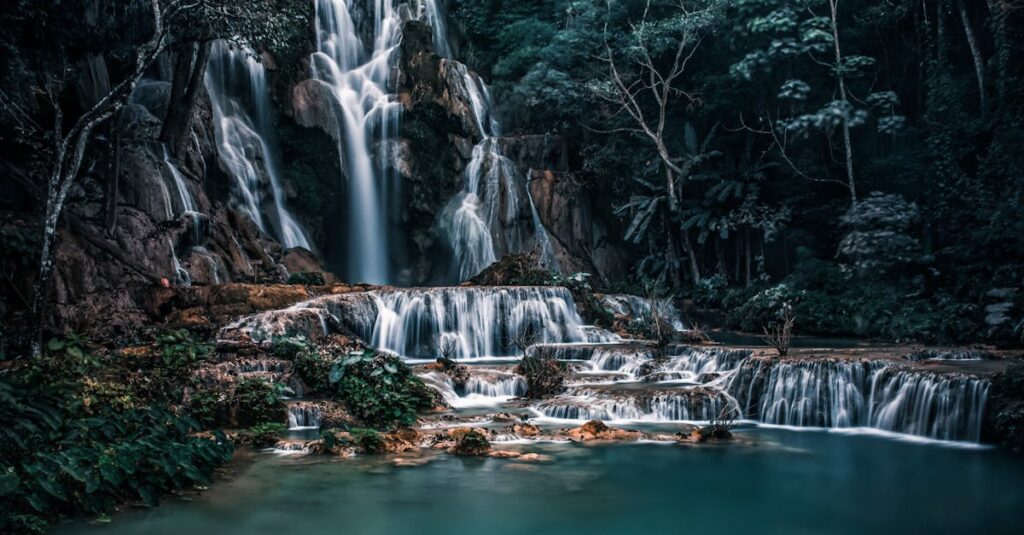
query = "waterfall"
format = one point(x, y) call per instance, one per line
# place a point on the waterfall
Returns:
point(484, 388)
point(641, 308)
point(359, 78)
point(188, 204)
point(948, 407)
point(699, 360)
point(304, 415)
point(243, 126)
point(436, 19)
point(690, 404)
point(481, 321)
point(482, 223)
point(854, 393)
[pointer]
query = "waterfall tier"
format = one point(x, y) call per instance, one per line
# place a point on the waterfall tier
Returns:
point(861, 393)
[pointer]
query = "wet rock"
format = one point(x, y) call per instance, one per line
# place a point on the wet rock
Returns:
point(470, 442)
point(504, 454)
point(525, 430)
point(597, 430)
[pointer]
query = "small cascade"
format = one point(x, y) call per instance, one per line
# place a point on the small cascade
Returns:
point(186, 201)
point(854, 393)
point(358, 77)
point(483, 388)
point(637, 307)
point(507, 386)
point(181, 275)
point(621, 360)
point(482, 321)
point(947, 407)
point(304, 416)
point(689, 404)
point(246, 144)
point(699, 360)
point(952, 354)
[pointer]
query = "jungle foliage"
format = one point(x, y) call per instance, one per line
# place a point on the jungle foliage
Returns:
point(867, 153)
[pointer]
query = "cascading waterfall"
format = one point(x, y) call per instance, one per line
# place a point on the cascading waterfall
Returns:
point(185, 199)
point(635, 306)
point(482, 222)
point(367, 114)
point(658, 406)
point(246, 145)
point(482, 322)
point(303, 415)
point(875, 393)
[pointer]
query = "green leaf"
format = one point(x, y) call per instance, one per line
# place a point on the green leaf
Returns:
point(55, 344)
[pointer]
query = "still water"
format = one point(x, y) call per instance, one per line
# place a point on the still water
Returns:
point(776, 481)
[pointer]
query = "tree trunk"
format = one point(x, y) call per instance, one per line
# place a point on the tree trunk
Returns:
point(189, 71)
point(68, 153)
point(113, 175)
point(979, 62)
point(746, 240)
point(694, 266)
point(720, 266)
point(842, 95)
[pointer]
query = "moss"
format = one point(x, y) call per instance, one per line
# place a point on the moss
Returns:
point(256, 401)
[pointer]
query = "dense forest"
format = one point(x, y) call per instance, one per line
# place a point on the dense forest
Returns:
point(859, 158)
point(228, 224)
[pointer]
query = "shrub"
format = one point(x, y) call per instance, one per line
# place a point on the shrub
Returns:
point(209, 408)
point(544, 376)
point(263, 435)
point(313, 364)
point(1006, 412)
point(63, 455)
point(380, 389)
point(710, 292)
point(180, 353)
point(256, 401)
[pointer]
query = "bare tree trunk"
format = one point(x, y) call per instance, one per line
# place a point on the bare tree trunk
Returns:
point(720, 266)
point(834, 4)
point(67, 159)
point(113, 175)
point(746, 241)
point(979, 62)
point(694, 266)
point(189, 72)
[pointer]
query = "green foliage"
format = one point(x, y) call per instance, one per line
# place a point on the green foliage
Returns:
point(210, 408)
point(67, 449)
point(263, 435)
point(363, 439)
point(257, 401)
point(181, 352)
point(380, 389)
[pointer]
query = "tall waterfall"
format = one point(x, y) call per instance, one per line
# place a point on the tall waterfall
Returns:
point(359, 78)
point(246, 144)
point(480, 322)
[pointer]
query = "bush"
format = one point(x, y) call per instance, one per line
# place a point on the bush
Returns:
point(710, 292)
point(313, 364)
point(67, 449)
point(544, 376)
point(209, 408)
point(256, 401)
point(1006, 412)
point(380, 389)
point(263, 435)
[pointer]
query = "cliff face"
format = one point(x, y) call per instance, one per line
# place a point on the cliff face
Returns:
point(182, 220)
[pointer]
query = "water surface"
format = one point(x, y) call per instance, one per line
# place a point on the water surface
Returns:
point(783, 482)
